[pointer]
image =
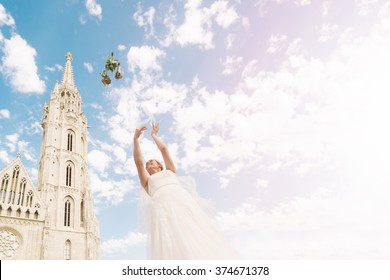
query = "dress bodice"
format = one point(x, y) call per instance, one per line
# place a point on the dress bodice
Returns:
point(162, 179)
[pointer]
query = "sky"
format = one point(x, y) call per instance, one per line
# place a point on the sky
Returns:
point(277, 108)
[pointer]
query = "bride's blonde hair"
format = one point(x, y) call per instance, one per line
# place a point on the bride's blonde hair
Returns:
point(160, 164)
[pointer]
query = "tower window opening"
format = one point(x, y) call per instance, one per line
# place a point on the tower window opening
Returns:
point(4, 186)
point(68, 182)
point(14, 182)
point(67, 213)
point(70, 141)
point(67, 250)
point(29, 199)
point(22, 189)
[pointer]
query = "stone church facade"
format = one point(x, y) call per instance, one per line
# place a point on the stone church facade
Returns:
point(54, 220)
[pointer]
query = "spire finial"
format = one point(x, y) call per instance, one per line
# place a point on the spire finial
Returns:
point(68, 56)
point(67, 78)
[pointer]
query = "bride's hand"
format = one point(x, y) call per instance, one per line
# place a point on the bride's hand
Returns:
point(139, 131)
point(155, 128)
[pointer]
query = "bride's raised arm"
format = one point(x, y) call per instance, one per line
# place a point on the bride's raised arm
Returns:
point(139, 162)
point(163, 149)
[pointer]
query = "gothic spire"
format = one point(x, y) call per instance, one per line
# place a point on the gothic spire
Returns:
point(67, 78)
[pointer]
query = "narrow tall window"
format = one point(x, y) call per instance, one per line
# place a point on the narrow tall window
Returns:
point(67, 250)
point(22, 189)
point(4, 186)
point(14, 182)
point(70, 141)
point(82, 211)
point(29, 199)
point(67, 213)
point(68, 175)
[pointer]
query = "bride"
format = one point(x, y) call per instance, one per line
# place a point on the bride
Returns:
point(179, 228)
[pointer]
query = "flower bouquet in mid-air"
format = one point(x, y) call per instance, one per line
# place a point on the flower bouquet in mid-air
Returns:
point(112, 65)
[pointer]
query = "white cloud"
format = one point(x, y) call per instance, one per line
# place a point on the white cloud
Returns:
point(98, 160)
point(261, 183)
point(145, 19)
point(133, 239)
point(245, 22)
point(14, 144)
point(12, 139)
point(6, 18)
point(224, 16)
point(384, 15)
point(276, 43)
point(145, 58)
point(318, 226)
point(327, 31)
point(121, 48)
point(302, 2)
point(229, 173)
point(197, 28)
point(366, 7)
point(229, 41)
point(296, 2)
point(88, 66)
point(4, 114)
point(335, 102)
point(19, 67)
point(231, 65)
point(83, 19)
point(109, 191)
point(325, 8)
point(4, 156)
point(94, 9)
point(295, 47)
point(33, 128)
point(56, 67)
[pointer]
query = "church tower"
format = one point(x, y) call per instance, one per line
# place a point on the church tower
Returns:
point(71, 230)
point(55, 220)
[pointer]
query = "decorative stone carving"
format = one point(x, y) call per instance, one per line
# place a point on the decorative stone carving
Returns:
point(9, 244)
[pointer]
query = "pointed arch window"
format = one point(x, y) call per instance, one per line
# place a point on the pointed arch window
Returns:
point(14, 182)
point(68, 175)
point(4, 186)
point(22, 189)
point(18, 213)
point(67, 249)
point(9, 211)
point(67, 213)
point(27, 215)
point(71, 139)
point(29, 199)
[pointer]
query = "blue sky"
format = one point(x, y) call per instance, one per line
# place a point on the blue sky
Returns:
point(277, 108)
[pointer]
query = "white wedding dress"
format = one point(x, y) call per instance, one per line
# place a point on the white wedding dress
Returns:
point(179, 228)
